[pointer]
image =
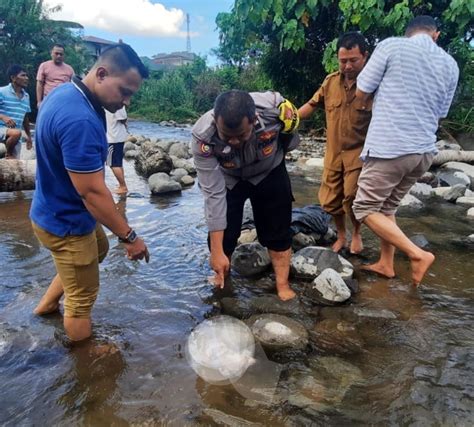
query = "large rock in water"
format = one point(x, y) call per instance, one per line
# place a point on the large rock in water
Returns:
point(250, 259)
point(152, 159)
point(461, 167)
point(161, 183)
point(16, 175)
point(328, 288)
point(275, 332)
point(309, 262)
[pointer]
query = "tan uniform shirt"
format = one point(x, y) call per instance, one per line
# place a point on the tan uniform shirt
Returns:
point(347, 121)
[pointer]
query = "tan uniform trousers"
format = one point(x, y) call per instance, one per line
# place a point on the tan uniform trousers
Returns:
point(338, 190)
point(77, 261)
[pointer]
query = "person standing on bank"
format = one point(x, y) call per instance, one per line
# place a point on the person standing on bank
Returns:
point(71, 199)
point(239, 153)
point(14, 109)
point(116, 136)
point(414, 82)
point(347, 121)
point(52, 73)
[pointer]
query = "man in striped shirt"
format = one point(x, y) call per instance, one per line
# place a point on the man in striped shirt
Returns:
point(14, 106)
point(414, 82)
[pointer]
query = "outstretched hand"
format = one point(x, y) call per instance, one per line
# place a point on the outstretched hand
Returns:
point(221, 266)
point(137, 250)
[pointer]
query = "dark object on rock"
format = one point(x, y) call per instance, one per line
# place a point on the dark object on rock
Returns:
point(420, 240)
point(17, 175)
point(152, 159)
point(250, 259)
point(310, 219)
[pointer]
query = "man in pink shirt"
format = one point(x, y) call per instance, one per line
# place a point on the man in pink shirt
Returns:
point(52, 73)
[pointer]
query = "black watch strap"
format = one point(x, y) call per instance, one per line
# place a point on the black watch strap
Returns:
point(129, 238)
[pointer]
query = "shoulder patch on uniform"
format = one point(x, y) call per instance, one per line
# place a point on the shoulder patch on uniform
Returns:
point(205, 149)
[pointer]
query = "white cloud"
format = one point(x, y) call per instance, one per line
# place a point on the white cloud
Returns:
point(126, 17)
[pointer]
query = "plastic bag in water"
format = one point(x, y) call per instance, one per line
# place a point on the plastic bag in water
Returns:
point(221, 349)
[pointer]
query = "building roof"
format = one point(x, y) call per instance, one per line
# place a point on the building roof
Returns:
point(97, 40)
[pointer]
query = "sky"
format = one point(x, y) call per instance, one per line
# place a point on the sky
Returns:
point(149, 26)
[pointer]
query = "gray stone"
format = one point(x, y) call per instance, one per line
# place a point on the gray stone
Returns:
point(186, 181)
point(152, 159)
point(314, 164)
point(178, 173)
point(250, 259)
point(273, 304)
point(275, 332)
point(301, 240)
point(374, 313)
point(3, 150)
point(160, 183)
point(328, 287)
point(470, 238)
point(132, 138)
point(236, 307)
point(443, 144)
point(468, 201)
point(164, 144)
point(420, 240)
point(429, 178)
point(421, 190)
point(247, 236)
point(129, 146)
point(411, 202)
point(462, 167)
point(454, 193)
point(132, 154)
point(470, 213)
point(184, 164)
point(180, 150)
point(441, 191)
point(452, 178)
point(309, 262)
point(469, 193)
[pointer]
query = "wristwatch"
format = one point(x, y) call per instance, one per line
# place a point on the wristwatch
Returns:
point(130, 237)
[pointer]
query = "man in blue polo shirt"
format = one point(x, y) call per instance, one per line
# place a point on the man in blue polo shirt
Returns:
point(71, 199)
point(14, 107)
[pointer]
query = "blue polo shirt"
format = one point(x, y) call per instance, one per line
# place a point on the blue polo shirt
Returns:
point(12, 106)
point(70, 137)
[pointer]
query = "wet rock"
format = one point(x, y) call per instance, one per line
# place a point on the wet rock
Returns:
point(314, 164)
point(309, 262)
point(469, 193)
point(411, 202)
point(186, 181)
point(374, 313)
point(180, 150)
point(468, 201)
point(353, 285)
point(152, 159)
point(441, 191)
point(328, 288)
point(421, 190)
point(129, 146)
point(451, 178)
point(470, 213)
point(275, 332)
point(250, 259)
point(248, 235)
point(336, 337)
point(132, 154)
point(273, 304)
point(454, 193)
point(3, 150)
point(178, 173)
point(132, 139)
point(420, 240)
point(236, 307)
point(165, 145)
point(429, 178)
point(161, 183)
point(466, 168)
point(185, 164)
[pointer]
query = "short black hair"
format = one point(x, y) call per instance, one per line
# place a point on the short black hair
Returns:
point(122, 57)
point(351, 39)
point(421, 23)
point(14, 70)
point(233, 106)
point(58, 45)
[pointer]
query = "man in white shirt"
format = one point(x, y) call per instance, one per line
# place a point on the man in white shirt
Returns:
point(117, 134)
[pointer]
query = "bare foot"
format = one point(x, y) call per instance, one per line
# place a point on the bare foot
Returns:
point(420, 266)
point(356, 244)
point(121, 190)
point(339, 244)
point(381, 270)
point(285, 293)
point(46, 308)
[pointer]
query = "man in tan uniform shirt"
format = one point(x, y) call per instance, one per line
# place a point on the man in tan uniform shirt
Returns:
point(347, 123)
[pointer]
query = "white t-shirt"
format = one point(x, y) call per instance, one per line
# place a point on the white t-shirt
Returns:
point(116, 130)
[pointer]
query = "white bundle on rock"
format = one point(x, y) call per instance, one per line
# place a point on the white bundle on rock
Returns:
point(221, 349)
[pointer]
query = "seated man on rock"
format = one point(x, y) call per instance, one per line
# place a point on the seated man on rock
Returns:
point(239, 153)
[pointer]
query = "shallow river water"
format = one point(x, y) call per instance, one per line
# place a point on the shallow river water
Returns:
point(413, 363)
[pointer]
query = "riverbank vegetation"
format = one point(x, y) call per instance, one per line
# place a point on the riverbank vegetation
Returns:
point(286, 45)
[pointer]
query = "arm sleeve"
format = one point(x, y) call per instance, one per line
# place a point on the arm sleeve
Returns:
point(451, 90)
point(40, 74)
point(212, 184)
point(370, 77)
point(82, 147)
point(317, 99)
